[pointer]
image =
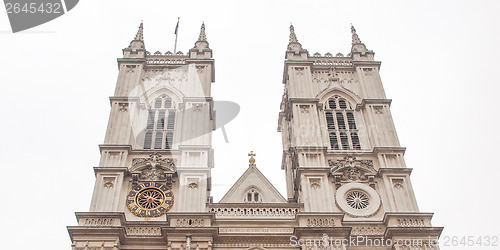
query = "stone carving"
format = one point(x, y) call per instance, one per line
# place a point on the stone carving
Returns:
point(398, 185)
point(304, 109)
point(315, 183)
point(143, 231)
point(300, 70)
point(157, 168)
point(352, 170)
point(378, 109)
point(254, 212)
point(108, 184)
point(197, 106)
point(98, 222)
point(367, 230)
point(411, 223)
point(190, 222)
point(123, 107)
point(193, 185)
point(200, 69)
point(320, 222)
point(131, 68)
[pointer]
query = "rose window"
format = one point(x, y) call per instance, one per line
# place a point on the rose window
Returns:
point(357, 199)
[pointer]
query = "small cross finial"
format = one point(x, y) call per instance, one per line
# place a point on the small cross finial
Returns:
point(252, 160)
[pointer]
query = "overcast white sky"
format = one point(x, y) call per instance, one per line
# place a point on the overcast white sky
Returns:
point(440, 65)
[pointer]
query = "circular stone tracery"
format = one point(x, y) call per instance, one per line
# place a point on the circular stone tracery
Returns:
point(357, 199)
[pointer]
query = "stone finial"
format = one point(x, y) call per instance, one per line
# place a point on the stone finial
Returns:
point(201, 48)
point(136, 48)
point(293, 37)
point(355, 38)
point(139, 36)
point(203, 36)
point(252, 160)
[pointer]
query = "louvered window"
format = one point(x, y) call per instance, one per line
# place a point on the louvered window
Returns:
point(329, 120)
point(341, 123)
point(160, 125)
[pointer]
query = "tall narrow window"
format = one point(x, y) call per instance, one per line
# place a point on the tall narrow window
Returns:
point(350, 120)
point(329, 120)
point(171, 120)
point(158, 139)
point(355, 141)
point(344, 140)
point(340, 120)
point(161, 119)
point(334, 143)
point(148, 139)
point(160, 124)
point(341, 124)
point(169, 140)
point(151, 119)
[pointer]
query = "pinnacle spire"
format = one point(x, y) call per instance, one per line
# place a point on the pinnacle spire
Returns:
point(293, 37)
point(355, 38)
point(139, 36)
point(203, 36)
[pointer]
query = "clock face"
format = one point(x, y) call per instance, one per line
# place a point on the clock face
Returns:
point(150, 199)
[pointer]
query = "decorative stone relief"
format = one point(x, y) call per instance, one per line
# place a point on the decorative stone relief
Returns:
point(367, 210)
point(333, 75)
point(123, 107)
point(254, 212)
point(315, 183)
point(368, 71)
point(352, 170)
point(200, 69)
point(193, 185)
point(143, 231)
point(398, 185)
point(157, 168)
point(378, 110)
point(108, 184)
point(98, 222)
point(304, 109)
point(299, 70)
point(190, 222)
point(130, 68)
point(367, 230)
point(198, 107)
point(320, 222)
point(411, 223)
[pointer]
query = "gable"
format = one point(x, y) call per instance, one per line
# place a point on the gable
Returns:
point(253, 180)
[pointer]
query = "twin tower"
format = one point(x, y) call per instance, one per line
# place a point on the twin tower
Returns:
point(347, 183)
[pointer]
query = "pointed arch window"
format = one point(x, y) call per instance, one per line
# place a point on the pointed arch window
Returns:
point(253, 195)
point(160, 125)
point(341, 123)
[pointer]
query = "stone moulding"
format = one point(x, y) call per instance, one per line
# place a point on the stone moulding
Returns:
point(254, 211)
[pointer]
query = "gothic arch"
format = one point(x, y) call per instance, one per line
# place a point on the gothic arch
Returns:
point(252, 190)
point(150, 96)
point(345, 93)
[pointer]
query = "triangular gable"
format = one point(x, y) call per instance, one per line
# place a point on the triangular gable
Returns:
point(253, 179)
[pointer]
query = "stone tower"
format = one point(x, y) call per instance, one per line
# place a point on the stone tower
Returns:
point(341, 151)
point(347, 183)
point(157, 154)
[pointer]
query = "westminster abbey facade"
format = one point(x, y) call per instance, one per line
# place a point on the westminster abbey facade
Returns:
point(346, 180)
